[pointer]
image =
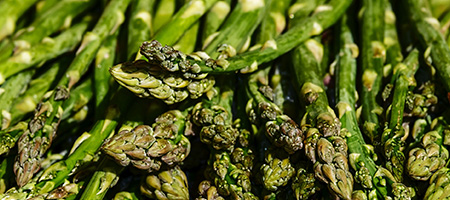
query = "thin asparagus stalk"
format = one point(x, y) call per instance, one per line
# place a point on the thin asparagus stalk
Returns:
point(215, 18)
point(168, 184)
point(187, 42)
point(427, 27)
point(235, 27)
point(57, 17)
point(163, 14)
point(10, 90)
point(44, 5)
point(42, 129)
point(11, 10)
point(431, 155)
point(187, 68)
point(325, 145)
point(394, 136)
point(140, 26)
point(274, 21)
point(372, 59)
point(391, 41)
point(46, 50)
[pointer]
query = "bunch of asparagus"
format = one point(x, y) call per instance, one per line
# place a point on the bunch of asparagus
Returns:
point(224, 99)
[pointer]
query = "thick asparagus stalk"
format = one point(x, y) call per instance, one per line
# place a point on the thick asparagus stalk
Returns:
point(10, 90)
point(163, 14)
point(372, 59)
point(57, 17)
point(431, 155)
point(215, 17)
point(178, 66)
point(42, 129)
point(168, 184)
point(47, 49)
point(394, 136)
point(325, 145)
point(140, 25)
point(235, 27)
point(427, 29)
point(11, 10)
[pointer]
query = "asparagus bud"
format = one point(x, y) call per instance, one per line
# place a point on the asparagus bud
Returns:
point(276, 172)
point(169, 184)
point(439, 184)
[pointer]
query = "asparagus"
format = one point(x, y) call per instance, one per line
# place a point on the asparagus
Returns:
point(11, 10)
point(304, 183)
point(207, 190)
point(187, 42)
point(277, 171)
point(182, 68)
point(28, 101)
point(234, 27)
point(439, 184)
point(140, 25)
point(324, 143)
point(78, 98)
point(372, 59)
point(9, 91)
point(163, 14)
point(47, 49)
point(42, 129)
point(431, 155)
point(166, 184)
point(394, 135)
point(391, 41)
point(55, 18)
point(281, 130)
point(427, 27)
point(215, 18)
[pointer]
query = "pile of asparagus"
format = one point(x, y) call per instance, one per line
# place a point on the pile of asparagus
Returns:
point(224, 99)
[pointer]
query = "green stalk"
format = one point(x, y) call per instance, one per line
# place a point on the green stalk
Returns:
point(188, 41)
point(28, 101)
point(140, 26)
point(437, 51)
point(10, 90)
point(86, 146)
point(393, 137)
point(183, 20)
point(42, 129)
point(235, 27)
point(215, 18)
point(102, 79)
point(165, 62)
point(163, 14)
point(11, 10)
point(274, 21)
point(391, 41)
point(324, 141)
point(46, 50)
point(372, 59)
point(57, 17)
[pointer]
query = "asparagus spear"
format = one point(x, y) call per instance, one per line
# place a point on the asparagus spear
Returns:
point(431, 155)
point(207, 190)
point(42, 129)
point(57, 17)
point(140, 25)
point(325, 145)
point(178, 66)
point(163, 14)
point(439, 184)
point(391, 41)
point(47, 49)
point(235, 27)
point(304, 183)
point(393, 136)
point(168, 184)
point(187, 42)
point(372, 59)
point(78, 98)
point(215, 18)
point(9, 91)
point(11, 10)
point(427, 27)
